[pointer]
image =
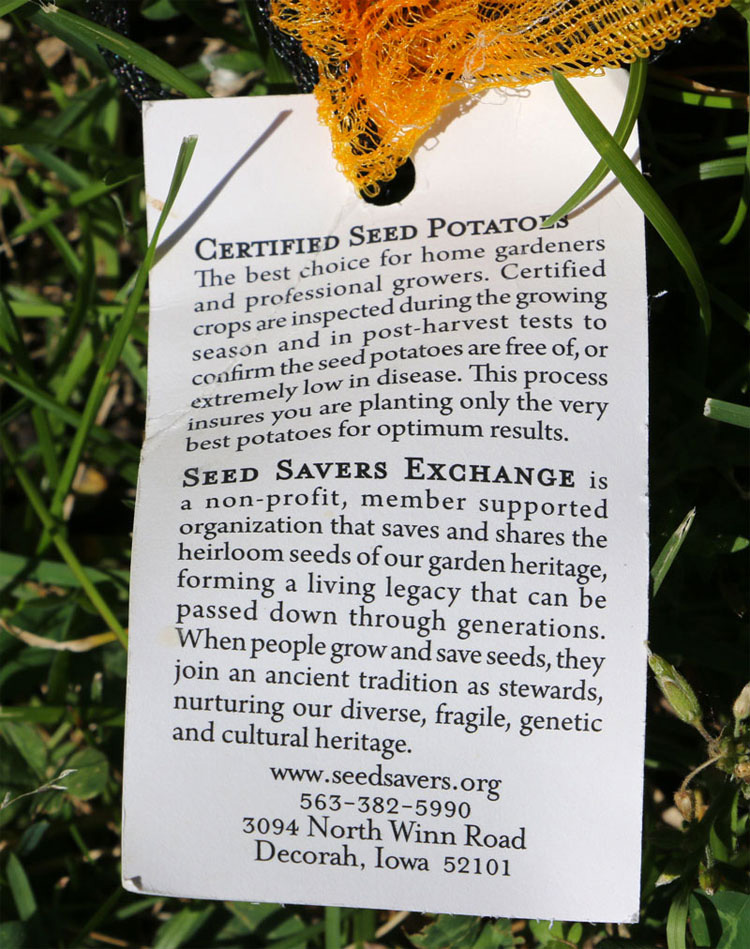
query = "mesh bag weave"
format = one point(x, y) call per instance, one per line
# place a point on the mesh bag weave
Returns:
point(387, 67)
point(136, 84)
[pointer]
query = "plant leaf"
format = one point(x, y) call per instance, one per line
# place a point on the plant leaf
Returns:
point(630, 109)
point(639, 189)
point(180, 927)
point(448, 932)
point(677, 920)
point(8, 6)
point(61, 22)
point(23, 895)
point(91, 774)
point(720, 920)
point(669, 551)
point(13, 935)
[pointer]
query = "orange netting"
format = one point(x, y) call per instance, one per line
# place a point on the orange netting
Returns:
point(387, 67)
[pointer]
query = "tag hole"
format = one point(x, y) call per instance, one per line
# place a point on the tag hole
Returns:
point(395, 190)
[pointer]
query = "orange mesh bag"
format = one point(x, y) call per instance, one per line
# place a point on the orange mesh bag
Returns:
point(388, 67)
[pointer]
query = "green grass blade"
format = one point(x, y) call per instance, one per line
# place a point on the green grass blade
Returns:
point(364, 925)
point(76, 199)
point(677, 920)
point(306, 935)
point(58, 21)
point(135, 364)
point(721, 168)
point(730, 307)
point(703, 99)
point(51, 131)
point(56, 237)
point(728, 412)
point(178, 929)
point(52, 714)
point(38, 714)
point(46, 444)
point(29, 137)
point(68, 415)
point(53, 85)
point(64, 386)
point(13, 341)
point(254, 26)
point(741, 212)
point(211, 22)
point(631, 108)
point(31, 310)
point(639, 189)
point(85, 290)
point(51, 573)
point(82, 45)
point(101, 914)
point(8, 6)
point(710, 170)
point(52, 528)
point(63, 170)
point(119, 337)
point(333, 927)
point(277, 73)
point(23, 895)
point(719, 145)
point(669, 551)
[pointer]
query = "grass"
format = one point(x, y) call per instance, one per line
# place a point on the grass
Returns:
point(73, 331)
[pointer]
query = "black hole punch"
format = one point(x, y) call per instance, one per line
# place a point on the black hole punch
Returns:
point(396, 189)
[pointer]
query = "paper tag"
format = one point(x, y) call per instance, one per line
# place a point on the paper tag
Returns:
point(390, 562)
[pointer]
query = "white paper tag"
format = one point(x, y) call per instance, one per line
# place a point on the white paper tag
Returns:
point(390, 562)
